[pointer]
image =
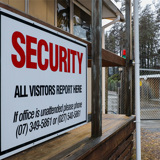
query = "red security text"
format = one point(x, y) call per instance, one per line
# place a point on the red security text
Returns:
point(58, 58)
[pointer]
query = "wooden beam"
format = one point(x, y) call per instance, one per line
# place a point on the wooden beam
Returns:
point(110, 59)
point(128, 68)
point(96, 68)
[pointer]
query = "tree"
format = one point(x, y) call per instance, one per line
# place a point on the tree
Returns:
point(149, 26)
point(148, 38)
point(115, 38)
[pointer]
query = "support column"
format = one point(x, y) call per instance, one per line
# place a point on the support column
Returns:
point(137, 87)
point(128, 68)
point(96, 68)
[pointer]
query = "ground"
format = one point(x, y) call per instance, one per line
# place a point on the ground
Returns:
point(150, 141)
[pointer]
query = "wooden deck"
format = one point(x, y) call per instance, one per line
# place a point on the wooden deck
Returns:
point(115, 143)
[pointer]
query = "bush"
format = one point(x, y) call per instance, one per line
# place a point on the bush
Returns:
point(113, 82)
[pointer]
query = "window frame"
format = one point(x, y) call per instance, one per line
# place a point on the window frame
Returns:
point(72, 3)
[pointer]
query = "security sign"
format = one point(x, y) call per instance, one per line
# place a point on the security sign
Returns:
point(43, 83)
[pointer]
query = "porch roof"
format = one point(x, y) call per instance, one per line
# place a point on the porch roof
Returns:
point(109, 10)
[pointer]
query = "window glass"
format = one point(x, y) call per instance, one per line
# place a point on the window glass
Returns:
point(82, 24)
point(63, 14)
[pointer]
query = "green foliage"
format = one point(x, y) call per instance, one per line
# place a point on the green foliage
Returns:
point(114, 78)
point(149, 34)
point(113, 82)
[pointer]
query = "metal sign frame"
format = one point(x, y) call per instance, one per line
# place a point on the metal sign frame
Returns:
point(51, 133)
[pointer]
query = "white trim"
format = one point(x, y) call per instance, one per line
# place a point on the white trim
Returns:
point(150, 76)
point(27, 6)
point(71, 16)
point(112, 22)
point(143, 69)
point(103, 89)
point(55, 13)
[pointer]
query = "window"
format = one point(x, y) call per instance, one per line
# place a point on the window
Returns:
point(82, 24)
point(63, 14)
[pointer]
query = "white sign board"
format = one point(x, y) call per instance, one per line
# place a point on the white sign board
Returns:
point(43, 83)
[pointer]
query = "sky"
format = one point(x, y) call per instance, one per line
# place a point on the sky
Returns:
point(143, 4)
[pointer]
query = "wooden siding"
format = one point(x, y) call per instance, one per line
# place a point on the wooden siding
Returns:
point(18, 4)
point(42, 9)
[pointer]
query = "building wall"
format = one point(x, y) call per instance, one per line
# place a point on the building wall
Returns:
point(43, 10)
point(150, 88)
point(154, 85)
point(18, 4)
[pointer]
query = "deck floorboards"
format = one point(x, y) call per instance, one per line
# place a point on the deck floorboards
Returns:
point(77, 144)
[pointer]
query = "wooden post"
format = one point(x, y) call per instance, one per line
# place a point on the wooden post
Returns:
point(123, 93)
point(96, 68)
point(133, 90)
point(128, 69)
